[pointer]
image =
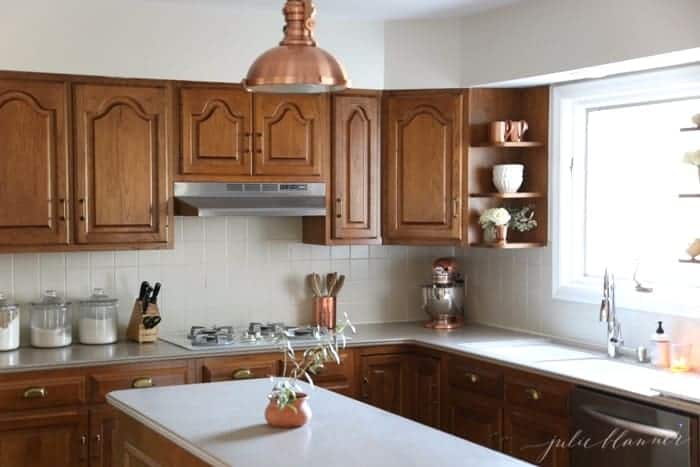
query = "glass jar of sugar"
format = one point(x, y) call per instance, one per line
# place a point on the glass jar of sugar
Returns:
point(9, 324)
point(98, 319)
point(50, 324)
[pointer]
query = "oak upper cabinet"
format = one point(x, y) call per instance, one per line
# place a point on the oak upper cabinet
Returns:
point(215, 125)
point(382, 381)
point(121, 147)
point(290, 136)
point(356, 164)
point(33, 163)
point(53, 438)
point(424, 184)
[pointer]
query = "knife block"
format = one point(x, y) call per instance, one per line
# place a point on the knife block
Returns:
point(136, 331)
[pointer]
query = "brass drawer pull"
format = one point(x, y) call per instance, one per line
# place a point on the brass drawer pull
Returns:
point(339, 206)
point(35, 393)
point(245, 373)
point(472, 377)
point(140, 383)
point(533, 394)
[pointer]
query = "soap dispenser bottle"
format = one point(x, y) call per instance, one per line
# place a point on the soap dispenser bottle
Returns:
point(661, 354)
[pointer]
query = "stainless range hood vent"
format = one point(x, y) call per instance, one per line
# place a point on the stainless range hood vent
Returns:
point(250, 199)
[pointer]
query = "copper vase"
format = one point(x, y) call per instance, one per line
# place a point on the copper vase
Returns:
point(324, 312)
point(501, 234)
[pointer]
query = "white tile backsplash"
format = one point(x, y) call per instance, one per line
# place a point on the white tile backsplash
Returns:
point(232, 270)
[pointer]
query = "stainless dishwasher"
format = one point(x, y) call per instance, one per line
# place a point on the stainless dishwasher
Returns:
point(609, 431)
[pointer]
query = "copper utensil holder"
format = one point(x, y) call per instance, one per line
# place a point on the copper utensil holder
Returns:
point(324, 312)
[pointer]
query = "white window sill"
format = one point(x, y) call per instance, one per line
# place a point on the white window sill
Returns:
point(674, 302)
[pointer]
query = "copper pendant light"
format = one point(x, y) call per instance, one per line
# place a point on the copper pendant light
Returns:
point(297, 65)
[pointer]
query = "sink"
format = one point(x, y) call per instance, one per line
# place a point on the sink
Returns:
point(610, 373)
point(528, 352)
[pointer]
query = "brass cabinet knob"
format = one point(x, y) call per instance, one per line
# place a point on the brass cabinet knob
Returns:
point(533, 394)
point(472, 378)
point(35, 393)
point(140, 383)
point(244, 373)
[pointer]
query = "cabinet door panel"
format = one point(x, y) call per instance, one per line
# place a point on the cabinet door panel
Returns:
point(528, 435)
point(121, 147)
point(289, 134)
point(382, 381)
point(424, 168)
point(474, 419)
point(103, 430)
point(216, 126)
point(356, 162)
point(44, 439)
point(33, 163)
point(423, 389)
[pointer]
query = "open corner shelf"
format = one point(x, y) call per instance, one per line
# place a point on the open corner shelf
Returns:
point(521, 144)
point(692, 128)
point(509, 246)
point(689, 261)
point(519, 195)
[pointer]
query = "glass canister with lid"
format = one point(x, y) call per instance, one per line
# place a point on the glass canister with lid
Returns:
point(9, 324)
point(50, 323)
point(98, 319)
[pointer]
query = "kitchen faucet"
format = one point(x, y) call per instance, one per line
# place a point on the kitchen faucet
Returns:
point(608, 314)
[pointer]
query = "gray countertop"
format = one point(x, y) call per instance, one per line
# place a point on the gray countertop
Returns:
point(223, 424)
point(585, 366)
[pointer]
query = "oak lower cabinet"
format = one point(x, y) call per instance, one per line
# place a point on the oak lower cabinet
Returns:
point(424, 163)
point(121, 163)
point(34, 163)
point(215, 128)
point(476, 419)
point(44, 438)
point(103, 429)
point(290, 134)
point(528, 435)
point(383, 381)
point(422, 389)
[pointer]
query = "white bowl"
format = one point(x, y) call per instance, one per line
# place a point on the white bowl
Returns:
point(507, 178)
point(696, 119)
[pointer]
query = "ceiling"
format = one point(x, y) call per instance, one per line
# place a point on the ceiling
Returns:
point(379, 10)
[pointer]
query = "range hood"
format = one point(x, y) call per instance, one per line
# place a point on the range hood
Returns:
point(250, 199)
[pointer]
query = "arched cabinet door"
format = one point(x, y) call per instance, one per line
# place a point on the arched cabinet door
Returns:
point(424, 192)
point(290, 134)
point(121, 143)
point(356, 164)
point(216, 130)
point(34, 200)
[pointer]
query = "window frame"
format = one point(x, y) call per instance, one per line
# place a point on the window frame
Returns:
point(570, 104)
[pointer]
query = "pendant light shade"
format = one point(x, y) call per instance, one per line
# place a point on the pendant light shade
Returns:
point(297, 65)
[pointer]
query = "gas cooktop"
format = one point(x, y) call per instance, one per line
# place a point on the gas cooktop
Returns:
point(256, 334)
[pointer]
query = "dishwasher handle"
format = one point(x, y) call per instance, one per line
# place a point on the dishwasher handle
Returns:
point(630, 425)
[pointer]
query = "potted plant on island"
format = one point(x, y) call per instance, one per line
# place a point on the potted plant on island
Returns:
point(288, 405)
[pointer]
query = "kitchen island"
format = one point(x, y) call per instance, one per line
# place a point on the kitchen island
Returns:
point(222, 424)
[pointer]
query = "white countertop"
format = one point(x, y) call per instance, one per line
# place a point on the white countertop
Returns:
point(223, 424)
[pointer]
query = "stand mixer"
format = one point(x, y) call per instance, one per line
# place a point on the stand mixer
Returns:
point(443, 300)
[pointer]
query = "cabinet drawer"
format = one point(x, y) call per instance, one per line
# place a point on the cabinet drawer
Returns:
point(476, 377)
point(537, 393)
point(233, 368)
point(36, 393)
point(103, 381)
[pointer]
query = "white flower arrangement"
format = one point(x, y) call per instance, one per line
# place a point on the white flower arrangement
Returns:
point(494, 217)
point(692, 157)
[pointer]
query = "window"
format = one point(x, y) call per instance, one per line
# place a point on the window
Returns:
point(617, 150)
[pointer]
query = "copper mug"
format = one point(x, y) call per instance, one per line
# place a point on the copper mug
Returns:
point(516, 130)
point(324, 312)
point(498, 131)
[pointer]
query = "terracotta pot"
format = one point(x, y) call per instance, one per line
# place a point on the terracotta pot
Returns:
point(501, 234)
point(288, 418)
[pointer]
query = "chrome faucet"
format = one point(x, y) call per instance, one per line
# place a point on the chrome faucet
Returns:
point(608, 314)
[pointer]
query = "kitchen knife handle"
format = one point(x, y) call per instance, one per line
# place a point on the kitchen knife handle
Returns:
point(244, 373)
point(34, 393)
point(140, 383)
